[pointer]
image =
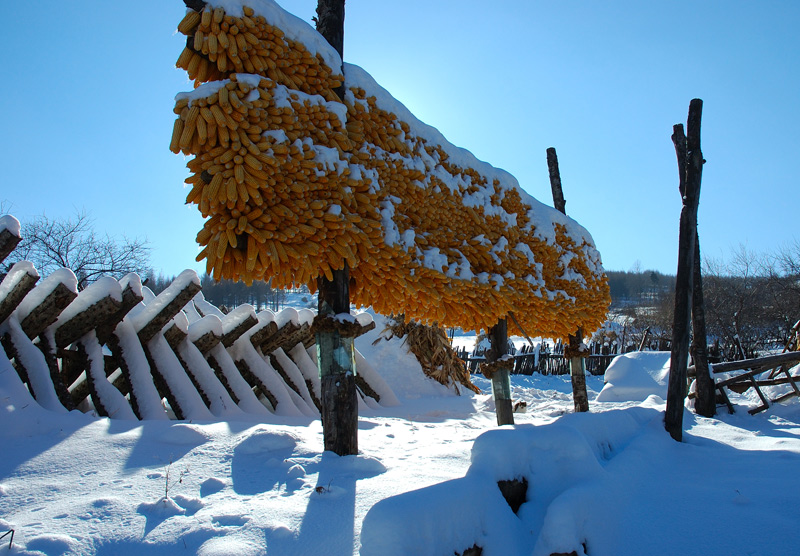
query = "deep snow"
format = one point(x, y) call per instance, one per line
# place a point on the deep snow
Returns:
point(423, 482)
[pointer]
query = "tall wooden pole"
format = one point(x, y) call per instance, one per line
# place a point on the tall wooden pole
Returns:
point(577, 370)
point(705, 401)
point(705, 394)
point(501, 382)
point(336, 356)
point(679, 360)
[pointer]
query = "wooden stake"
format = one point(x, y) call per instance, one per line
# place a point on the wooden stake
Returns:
point(576, 368)
point(705, 403)
point(336, 355)
point(577, 371)
point(501, 383)
point(679, 360)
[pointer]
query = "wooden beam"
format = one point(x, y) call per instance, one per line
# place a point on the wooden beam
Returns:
point(768, 362)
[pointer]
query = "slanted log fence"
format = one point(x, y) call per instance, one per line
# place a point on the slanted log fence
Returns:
point(173, 355)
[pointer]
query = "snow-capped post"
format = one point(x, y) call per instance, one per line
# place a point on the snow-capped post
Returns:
point(336, 354)
point(687, 247)
point(497, 369)
point(574, 351)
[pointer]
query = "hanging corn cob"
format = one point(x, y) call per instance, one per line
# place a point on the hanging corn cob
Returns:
point(294, 182)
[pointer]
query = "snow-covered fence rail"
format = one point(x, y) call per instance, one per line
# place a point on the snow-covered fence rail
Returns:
point(296, 181)
point(118, 349)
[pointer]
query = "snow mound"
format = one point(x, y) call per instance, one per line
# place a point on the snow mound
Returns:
point(635, 376)
point(553, 459)
point(230, 546)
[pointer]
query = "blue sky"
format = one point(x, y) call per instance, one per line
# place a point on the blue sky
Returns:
point(87, 110)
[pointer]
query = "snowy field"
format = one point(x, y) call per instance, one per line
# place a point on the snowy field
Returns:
point(610, 482)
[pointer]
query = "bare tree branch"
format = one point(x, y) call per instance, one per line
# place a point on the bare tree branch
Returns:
point(52, 243)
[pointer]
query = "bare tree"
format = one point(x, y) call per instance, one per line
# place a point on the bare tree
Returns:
point(52, 243)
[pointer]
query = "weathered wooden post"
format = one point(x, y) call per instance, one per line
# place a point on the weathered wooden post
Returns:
point(573, 352)
point(497, 369)
point(687, 245)
point(336, 354)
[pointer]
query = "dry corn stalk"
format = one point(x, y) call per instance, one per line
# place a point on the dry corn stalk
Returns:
point(431, 347)
point(294, 183)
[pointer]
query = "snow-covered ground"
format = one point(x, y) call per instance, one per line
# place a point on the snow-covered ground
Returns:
point(424, 482)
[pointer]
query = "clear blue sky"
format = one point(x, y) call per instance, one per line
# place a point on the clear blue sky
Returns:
point(88, 96)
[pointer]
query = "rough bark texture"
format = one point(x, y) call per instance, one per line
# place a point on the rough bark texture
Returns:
point(46, 313)
point(167, 313)
point(676, 389)
point(115, 346)
point(174, 335)
point(130, 299)
point(580, 398)
point(8, 242)
point(498, 336)
point(259, 388)
point(207, 342)
point(340, 414)
point(236, 332)
point(16, 294)
point(217, 368)
point(85, 321)
point(260, 336)
point(705, 403)
point(338, 386)
point(339, 398)
point(49, 352)
point(161, 384)
point(559, 202)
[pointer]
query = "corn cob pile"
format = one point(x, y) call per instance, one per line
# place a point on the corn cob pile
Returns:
point(294, 182)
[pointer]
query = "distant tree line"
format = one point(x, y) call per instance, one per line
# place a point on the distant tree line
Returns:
point(227, 294)
point(752, 302)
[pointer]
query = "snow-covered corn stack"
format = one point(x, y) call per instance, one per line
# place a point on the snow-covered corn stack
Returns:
point(294, 182)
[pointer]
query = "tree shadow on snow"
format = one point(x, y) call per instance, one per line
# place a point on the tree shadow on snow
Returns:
point(331, 508)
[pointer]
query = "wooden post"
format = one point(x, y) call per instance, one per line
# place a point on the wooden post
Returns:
point(336, 355)
point(676, 389)
point(705, 402)
point(559, 202)
point(580, 397)
point(576, 368)
point(501, 382)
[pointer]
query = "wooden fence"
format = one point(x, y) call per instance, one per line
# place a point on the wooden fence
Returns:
point(117, 349)
point(547, 359)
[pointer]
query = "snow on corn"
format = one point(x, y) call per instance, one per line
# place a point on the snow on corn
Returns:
point(295, 182)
